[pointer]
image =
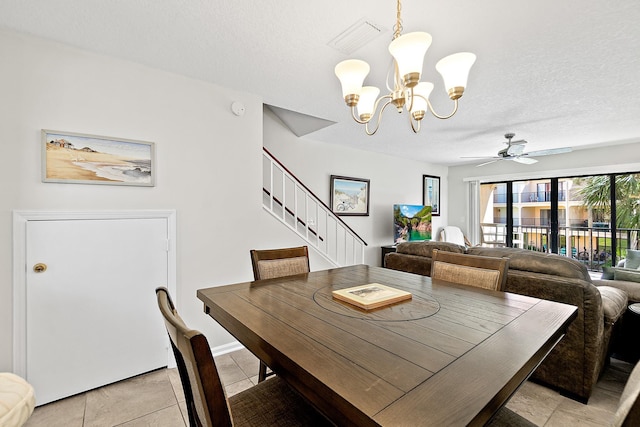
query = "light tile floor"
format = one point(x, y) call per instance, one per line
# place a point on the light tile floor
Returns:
point(156, 399)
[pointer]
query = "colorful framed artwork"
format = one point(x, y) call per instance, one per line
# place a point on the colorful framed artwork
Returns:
point(77, 158)
point(349, 196)
point(431, 193)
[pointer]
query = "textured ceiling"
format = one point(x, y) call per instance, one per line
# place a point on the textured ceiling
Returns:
point(557, 73)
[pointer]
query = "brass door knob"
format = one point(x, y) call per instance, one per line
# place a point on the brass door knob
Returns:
point(40, 267)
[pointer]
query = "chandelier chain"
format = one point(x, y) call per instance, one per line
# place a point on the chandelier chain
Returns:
point(397, 28)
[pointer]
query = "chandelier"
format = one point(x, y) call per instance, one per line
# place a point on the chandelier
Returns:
point(407, 91)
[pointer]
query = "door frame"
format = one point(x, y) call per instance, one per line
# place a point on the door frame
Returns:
point(20, 220)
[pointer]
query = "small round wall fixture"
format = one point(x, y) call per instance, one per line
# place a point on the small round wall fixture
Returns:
point(237, 108)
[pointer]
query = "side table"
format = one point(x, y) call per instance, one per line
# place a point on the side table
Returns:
point(628, 347)
point(386, 250)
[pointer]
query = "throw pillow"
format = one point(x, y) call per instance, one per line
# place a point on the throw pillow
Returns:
point(633, 259)
point(607, 273)
point(626, 274)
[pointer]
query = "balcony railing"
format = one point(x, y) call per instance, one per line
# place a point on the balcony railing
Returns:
point(530, 197)
point(589, 245)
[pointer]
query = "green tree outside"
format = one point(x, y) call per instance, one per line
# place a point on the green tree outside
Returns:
point(596, 195)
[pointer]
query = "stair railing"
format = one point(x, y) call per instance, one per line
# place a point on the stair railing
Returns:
point(286, 198)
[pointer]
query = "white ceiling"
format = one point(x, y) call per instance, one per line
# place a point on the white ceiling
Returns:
point(557, 73)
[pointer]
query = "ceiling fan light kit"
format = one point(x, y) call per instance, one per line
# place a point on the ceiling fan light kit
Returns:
point(406, 91)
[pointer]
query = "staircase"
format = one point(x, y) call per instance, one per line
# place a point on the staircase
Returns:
point(295, 206)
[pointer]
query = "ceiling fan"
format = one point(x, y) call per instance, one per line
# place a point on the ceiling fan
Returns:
point(515, 152)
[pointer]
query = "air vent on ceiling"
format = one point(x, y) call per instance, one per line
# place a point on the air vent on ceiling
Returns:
point(356, 36)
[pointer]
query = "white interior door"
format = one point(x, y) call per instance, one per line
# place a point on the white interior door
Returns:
point(91, 316)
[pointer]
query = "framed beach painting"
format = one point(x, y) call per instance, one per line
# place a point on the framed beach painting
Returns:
point(77, 158)
point(349, 196)
point(431, 193)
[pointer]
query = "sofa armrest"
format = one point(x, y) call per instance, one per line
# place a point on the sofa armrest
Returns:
point(614, 303)
point(575, 363)
point(627, 274)
point(631, 288)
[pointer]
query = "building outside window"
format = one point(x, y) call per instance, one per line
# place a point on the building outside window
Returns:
point(581, 218)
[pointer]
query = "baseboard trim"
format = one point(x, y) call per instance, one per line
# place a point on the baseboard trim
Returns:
point(226, 348)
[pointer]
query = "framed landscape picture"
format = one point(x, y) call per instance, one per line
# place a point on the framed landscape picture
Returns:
point(90, 159)
point(431, 193)
point(349, 196)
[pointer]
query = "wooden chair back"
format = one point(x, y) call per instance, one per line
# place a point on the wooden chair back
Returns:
point(471, 270)
point(204, 393)
point(628, 413)
point(271, 263)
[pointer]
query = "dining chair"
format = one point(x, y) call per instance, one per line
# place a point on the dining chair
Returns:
point(628, 413)
point(472, 270)
point(270, 403)
point(273, 263)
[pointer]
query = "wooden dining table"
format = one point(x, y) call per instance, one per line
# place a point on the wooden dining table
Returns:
point(450, 355)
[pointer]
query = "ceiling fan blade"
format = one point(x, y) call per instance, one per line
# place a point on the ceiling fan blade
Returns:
point(550, 151)
point(487, 163)
point(515, 150)
point(525, 160)
point(479, 157)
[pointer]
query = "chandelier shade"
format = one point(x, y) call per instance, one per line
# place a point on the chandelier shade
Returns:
point(408, 51)
point(352, 73)
point(420, 97)
point(366, 104)
point(455, 70)
point(406, 91)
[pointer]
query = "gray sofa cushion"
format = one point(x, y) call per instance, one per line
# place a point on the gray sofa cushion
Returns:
point(607, 273)
point(626, 274)
point(631, 288)
point(632, 259)
point(537, 262)
point(425, 248)
point(614, 303)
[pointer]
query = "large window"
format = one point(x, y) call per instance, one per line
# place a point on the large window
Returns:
point(594, 219)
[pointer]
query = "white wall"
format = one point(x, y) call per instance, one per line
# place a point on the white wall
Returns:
point(613, 158)
point(392, 180)
point(208, 165)
point(208, 160)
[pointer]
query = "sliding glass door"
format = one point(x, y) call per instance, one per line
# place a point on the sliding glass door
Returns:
point(587, 233)
point(593, 219)
point(627, 213)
